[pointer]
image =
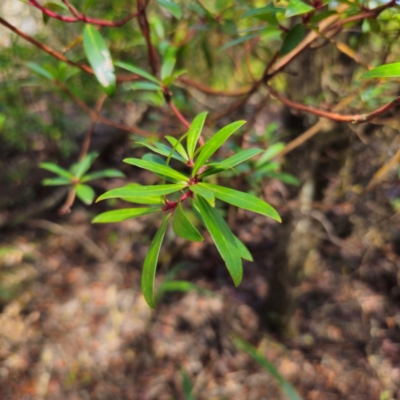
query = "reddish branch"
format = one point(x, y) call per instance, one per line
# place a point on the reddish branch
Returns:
point(354, 119)
point(179, 115)
point(77, 17)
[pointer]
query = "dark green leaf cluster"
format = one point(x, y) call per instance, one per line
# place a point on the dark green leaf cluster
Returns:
point(189, 188)
point(76, 176)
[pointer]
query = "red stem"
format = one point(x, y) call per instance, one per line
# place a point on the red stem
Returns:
point(179, 115)
point(171, 205)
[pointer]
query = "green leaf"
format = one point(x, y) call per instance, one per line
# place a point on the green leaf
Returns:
point(187, 386)
point(85, 193)
point(56, 169)
point(203, 191)
point(55, 6)
point(173, 8)
point(178, 147)
point(81, 167)
point(286, 178)
point(88, 3)
point(158, 169)
point(136, 70)
point(163, 150)
point(384, 71)
point(99, 57)
point(215, 168)
point(297, 7)
point(194, 133)
point(243, 250)
point(106, 173)
point(2, 120)
point(56, 181)
point(145, 86)
point(143, 199)
point(292, 39)
point(289, 390)
point(255, 12)
point(240, 157)
point(244, 200)
point(270, 153)
point(183, 227)
point(167, 68)
point(137, 191)
point(223, 239)
point(123, 214)
point(44, 73)
point(150, 264)
point(238, 41)
point(215, 143)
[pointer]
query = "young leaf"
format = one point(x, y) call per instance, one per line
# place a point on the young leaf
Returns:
point(240, 157)
point(289, 390)
point(81, 167)
point(85, 193)
point(177, 146)
point(223, 239)
point(384, 71)
point(292, 39)
point(243, 250)
point(150, 264)
point(56, 169)
point(99, 58)
point(244, 200)
point(167, 68)
point(122, 215)
point(215, 143)
point(194, 133)
point(106, 173)
point(203, 191)
point(183, 227)
point(158, 169)
point(145, 86)
point(137, 191)
point(56, 181)
point(136, 70)
point(163, 150)
point(173, 8)
point(40, 70)
point(297, 7)
point(270, 153)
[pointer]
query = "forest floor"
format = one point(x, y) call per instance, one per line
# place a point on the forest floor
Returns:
point(74, 324)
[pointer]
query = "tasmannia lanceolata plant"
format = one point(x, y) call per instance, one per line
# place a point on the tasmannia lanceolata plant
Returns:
point(191, 188)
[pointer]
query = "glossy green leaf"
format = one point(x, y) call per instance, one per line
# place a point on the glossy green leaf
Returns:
point(244, 200)
point(106, 173)
point(194, 133)
point(163, 150)
point(56, 169)
point(56, 181)
point(142, 85)
point(44, 73)
point(154, 158)
point(215, 143)
point(243, 250)
point(215, 168)
point(158, 169)
point(143, 199)
point(150, 264)
point(173, 8)
point(240, 157)
point(223, 238)
point(141, 191)
point(384, 71)
point(136, 70)
point(203, 191)
point(177, 146)
point(297, 7)
point(167, 68)
point(255, 12)
point(270, 153)
point(183, 227)
point(85, 193)
point(123, 214)
point(292, 39)
point(288, 389)
point(81, 167)
point(99, 57)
